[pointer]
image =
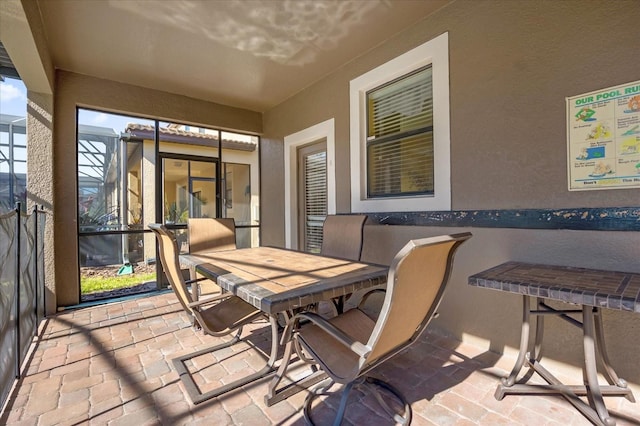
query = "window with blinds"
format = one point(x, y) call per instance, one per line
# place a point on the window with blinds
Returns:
point(315, 199)
point(400, 158)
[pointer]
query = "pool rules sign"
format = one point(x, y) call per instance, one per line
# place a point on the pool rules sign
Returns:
point(603, 132)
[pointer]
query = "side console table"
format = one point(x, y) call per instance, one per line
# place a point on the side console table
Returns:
point(592, 290)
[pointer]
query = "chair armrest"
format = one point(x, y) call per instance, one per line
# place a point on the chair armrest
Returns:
point(195, 280)
point(355, 346)
point(216, 298)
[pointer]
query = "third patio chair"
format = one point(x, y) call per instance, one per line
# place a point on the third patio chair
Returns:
point(217, 316)
point(207, 235)
point(350, 345)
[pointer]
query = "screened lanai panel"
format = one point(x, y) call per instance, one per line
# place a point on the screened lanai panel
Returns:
point(13, 162)
point(8, 295)
point(21, 291)
point(191, 189)
point(116, 200)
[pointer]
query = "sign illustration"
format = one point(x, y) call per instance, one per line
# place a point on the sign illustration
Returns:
point(603, 138)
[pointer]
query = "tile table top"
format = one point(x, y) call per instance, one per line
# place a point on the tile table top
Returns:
point(582, 286)
point(275, 280)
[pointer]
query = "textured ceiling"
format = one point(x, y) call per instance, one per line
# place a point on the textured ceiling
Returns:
point(251, 54)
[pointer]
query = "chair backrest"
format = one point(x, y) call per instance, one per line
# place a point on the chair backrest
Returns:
point(342, 236)
point(208, 234)
point(170, 259)
point(416, 282)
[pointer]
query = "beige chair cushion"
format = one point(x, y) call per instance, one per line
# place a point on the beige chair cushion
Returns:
point(337, 358)
point(227, 314)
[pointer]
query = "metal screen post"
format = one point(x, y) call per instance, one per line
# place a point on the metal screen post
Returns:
point(35, 268)
point(17, 366)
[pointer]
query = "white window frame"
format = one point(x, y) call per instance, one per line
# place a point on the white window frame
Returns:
point(324, 130)
point(436, 53)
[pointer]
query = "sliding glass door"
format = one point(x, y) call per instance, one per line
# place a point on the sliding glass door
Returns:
point(189, 188)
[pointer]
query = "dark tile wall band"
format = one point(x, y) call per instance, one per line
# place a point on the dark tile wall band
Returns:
point(585, 219)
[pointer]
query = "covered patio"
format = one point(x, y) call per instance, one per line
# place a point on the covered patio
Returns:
point(111, 364)
point(519, 123)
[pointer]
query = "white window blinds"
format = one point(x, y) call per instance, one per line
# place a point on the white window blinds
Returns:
point(315, 203)
point(400, 137)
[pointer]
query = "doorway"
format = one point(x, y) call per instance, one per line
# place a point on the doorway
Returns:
point(324, 131)
point(189, 190)
point(312, 194)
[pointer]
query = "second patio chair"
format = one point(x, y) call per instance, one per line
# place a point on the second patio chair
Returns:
point(207, 235)
point(342, 236)
point(220, 315)
point(350, 345)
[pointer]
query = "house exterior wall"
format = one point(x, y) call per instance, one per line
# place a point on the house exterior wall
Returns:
point(512, 64)
point(74, 90)
point(23, 36)
point(39, 182)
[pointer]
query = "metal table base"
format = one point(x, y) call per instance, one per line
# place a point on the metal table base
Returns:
point(594, 349)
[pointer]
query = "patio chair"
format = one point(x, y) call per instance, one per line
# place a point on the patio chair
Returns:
point(350, 345)
point(207, 235)
point(342, 236)
point(219, 315)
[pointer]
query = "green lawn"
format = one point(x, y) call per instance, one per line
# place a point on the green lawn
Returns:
point(94, 284)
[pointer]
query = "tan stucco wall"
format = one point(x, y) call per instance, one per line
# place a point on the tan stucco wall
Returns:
point(39, 182)
point(23, 36)
point(73, 90)
point(512, 64)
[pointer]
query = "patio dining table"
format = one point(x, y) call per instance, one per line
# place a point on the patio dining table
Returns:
point(590, 290)
point(278, 282)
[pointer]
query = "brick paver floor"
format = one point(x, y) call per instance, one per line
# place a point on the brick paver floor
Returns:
point(111, 364)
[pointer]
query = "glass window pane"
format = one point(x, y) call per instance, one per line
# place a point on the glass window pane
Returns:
point(19, 153)
point(203, 197)
point(110, 172)
point(19, 138)
point(237, 193)
point(401, 167)
point(401, 106)
point(203, 169)
point(247, 237)
point(111, 263)
point(4, 159)
point(315, 199)
point(175, 191)
point(20, 169)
